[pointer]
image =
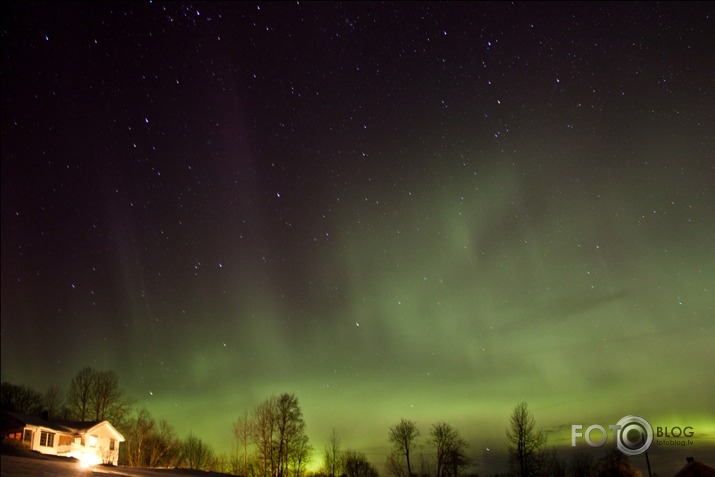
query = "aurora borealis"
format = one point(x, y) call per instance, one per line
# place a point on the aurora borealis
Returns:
point(429, 211)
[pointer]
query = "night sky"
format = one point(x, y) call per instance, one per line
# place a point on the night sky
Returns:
point(426, 211)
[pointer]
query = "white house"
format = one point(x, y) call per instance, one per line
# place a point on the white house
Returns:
point(90, 442)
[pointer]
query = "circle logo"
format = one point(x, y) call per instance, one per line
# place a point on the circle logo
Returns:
point(634, 435)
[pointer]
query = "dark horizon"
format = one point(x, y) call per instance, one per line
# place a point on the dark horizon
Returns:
point(667, 454)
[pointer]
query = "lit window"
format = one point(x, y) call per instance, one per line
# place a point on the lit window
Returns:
point(92, 441)
point(47, 439)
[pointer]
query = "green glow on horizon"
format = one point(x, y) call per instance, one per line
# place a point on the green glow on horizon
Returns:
point(436, 320)
point(386, 218)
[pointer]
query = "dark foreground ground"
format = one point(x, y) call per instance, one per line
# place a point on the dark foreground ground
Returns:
point(18, 463)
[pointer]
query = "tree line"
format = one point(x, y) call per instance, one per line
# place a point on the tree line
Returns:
point(271, 440)
point(529, 456)
point(446, 456)
point(273, 437)
point(449, 448)
point(95, 395)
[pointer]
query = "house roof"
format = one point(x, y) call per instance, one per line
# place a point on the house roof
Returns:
point(695, 469)
point(110, 427)
point(71, 427)
point(67, 427)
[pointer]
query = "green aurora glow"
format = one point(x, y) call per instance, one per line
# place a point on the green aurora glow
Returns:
point(382, 256)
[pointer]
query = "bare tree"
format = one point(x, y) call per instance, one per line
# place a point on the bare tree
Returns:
point(80, 392)
point(357, 465)
point(161, 445)
point(195, 453)
point(616, 464)
point(139, 431)
point(395, 464)
point(278, 432)
point(582, 465)
point(403, 439)
point(551, 464)
point(290, 428)
point(221, 463)
point(524, 441)
point(52, 402)
point(105, 394)
point(20, 399)
point(263, 428)
point(96, 395)
point(242, 430)
point(333, 459)
point(450, 449)
point(300, 455)
point(426, 465)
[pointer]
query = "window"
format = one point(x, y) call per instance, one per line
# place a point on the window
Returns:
point(47, 439)
point(92, 441)
point(111, 444)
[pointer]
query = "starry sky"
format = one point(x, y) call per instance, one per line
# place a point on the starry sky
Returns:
point(429, 211)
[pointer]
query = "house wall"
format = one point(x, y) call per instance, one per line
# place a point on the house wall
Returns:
point(100, 442)
point(16, 437)
point(102, 447)
point(37, 438)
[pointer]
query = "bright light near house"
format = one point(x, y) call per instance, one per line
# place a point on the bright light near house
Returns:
point(87, 460)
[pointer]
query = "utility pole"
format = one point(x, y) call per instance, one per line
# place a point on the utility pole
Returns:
point(647, 462)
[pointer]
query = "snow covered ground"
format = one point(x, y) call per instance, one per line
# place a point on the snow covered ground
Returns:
point(27, 464)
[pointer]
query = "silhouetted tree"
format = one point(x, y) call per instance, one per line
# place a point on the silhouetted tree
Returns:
point(20, 399)
point(450, 449)
point(300, 455)
point(221, 463)
point(78, 396)
point(105, 395)
point(195, 454)
point(290, 429)
point(524, 441)
point(138, 431)
point(357, 465)
point(96, 395)
point(552, 466)
point(616, 464)
point(279, 436)
point(53, 403)
point(582, 465)
point(242, 429)
point(403, 439)
point(395, 464)
point(263, 428)
point(426, 465)
point(162, 445)
point(333, 458)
